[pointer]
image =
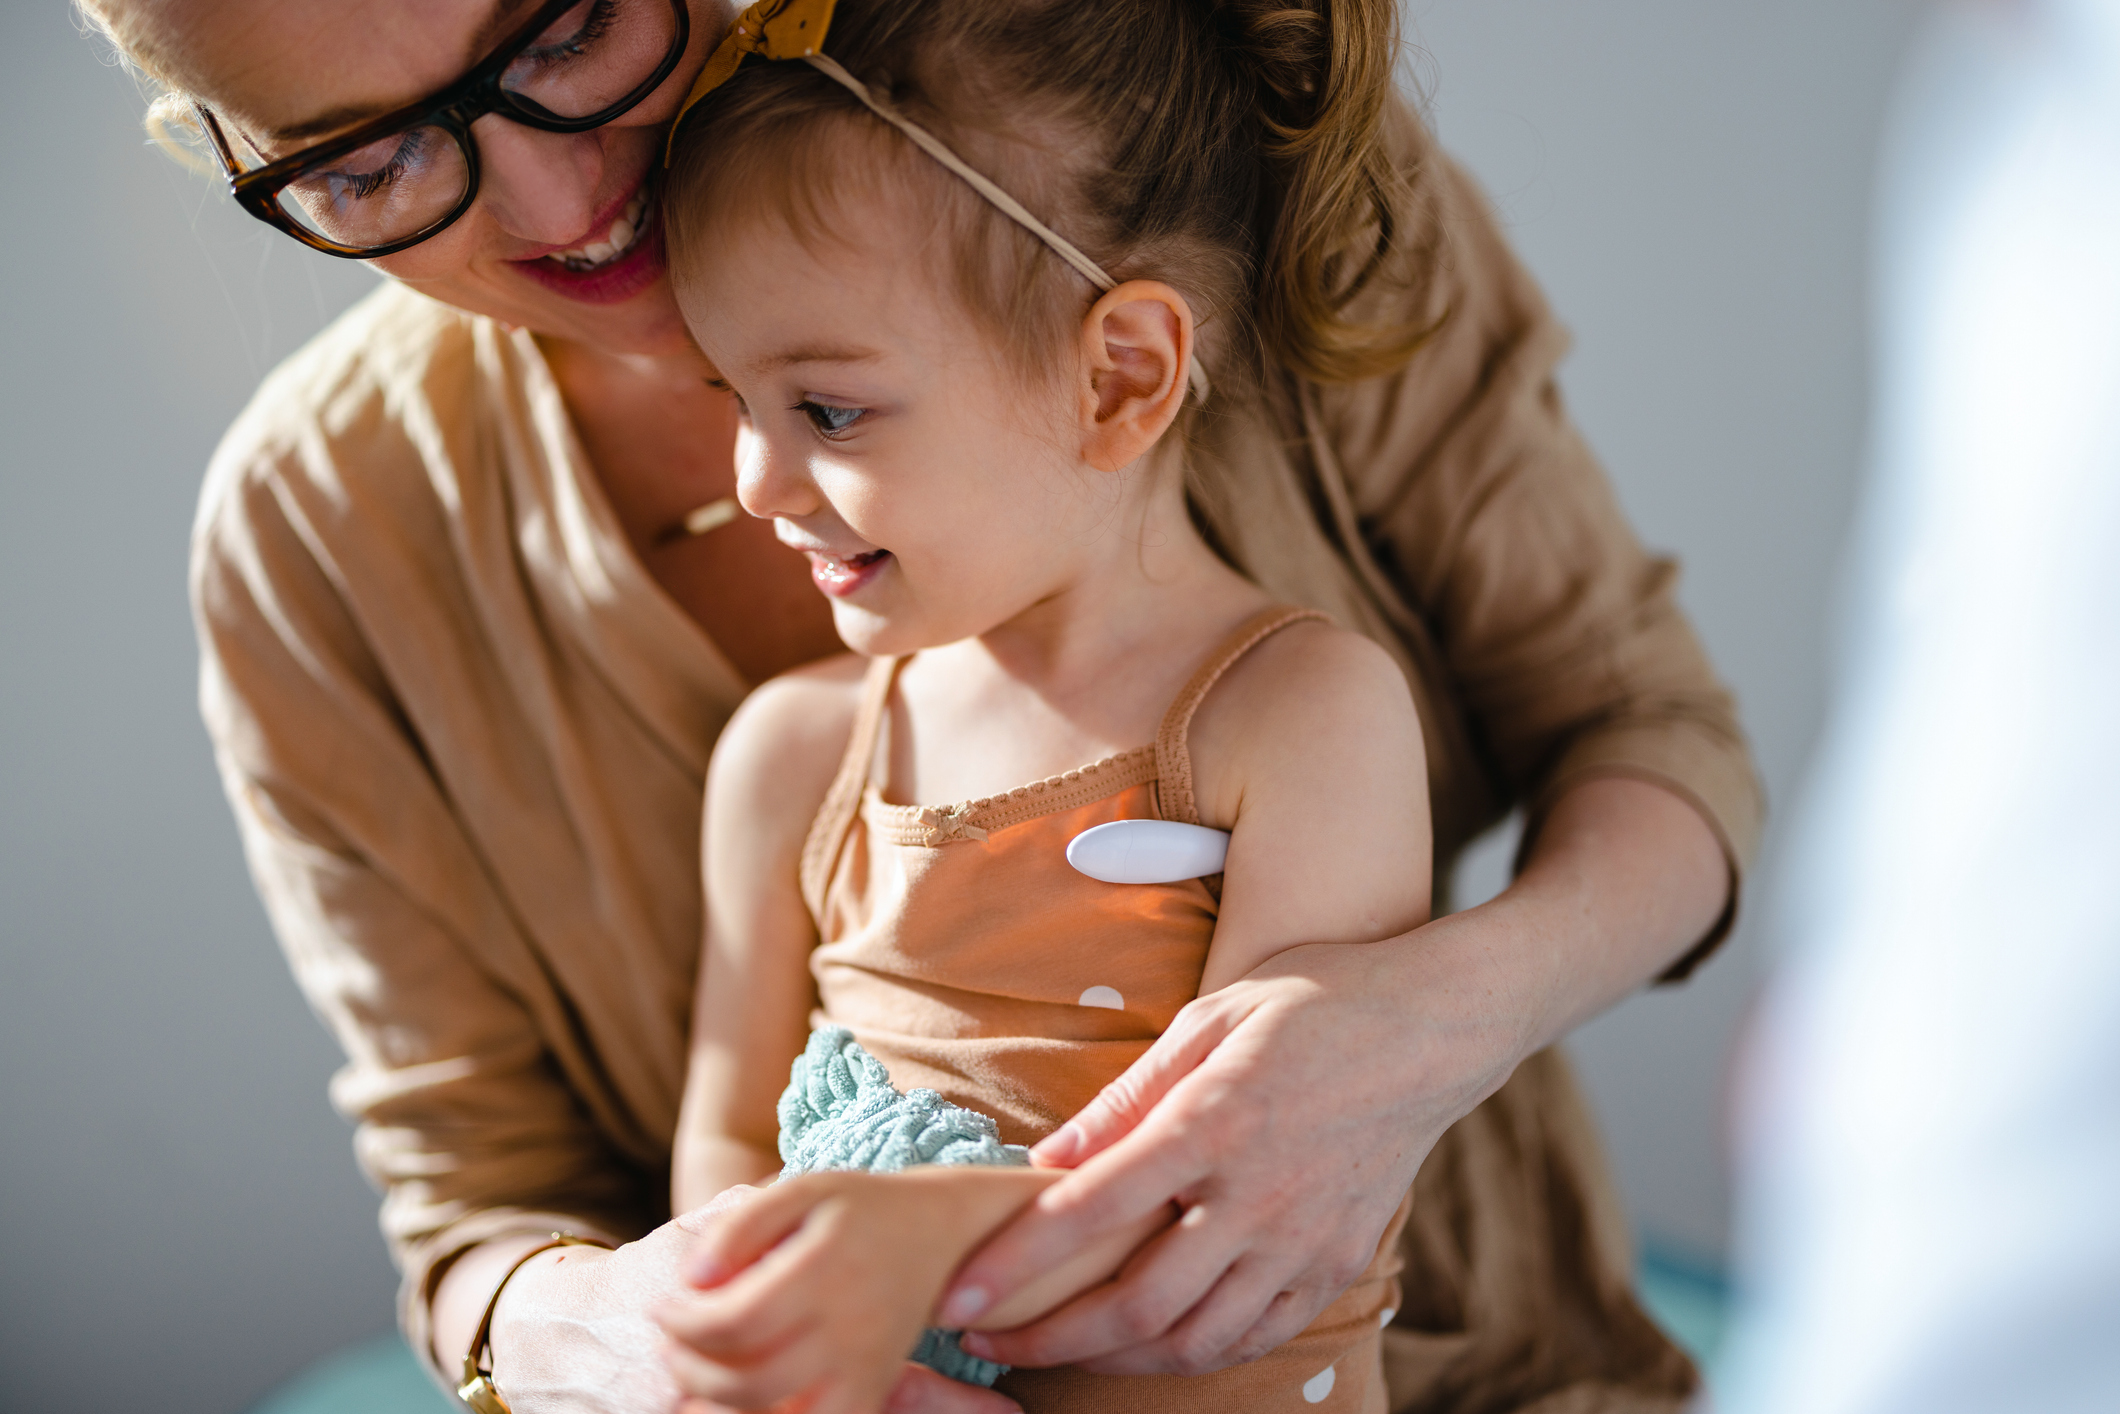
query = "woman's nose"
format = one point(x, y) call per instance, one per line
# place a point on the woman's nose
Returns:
point(539, 186)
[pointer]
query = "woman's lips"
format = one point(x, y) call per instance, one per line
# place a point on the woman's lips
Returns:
point(623, 275)
point(840, 576)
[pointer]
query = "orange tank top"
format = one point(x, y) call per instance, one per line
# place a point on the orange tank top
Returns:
point(967, 955)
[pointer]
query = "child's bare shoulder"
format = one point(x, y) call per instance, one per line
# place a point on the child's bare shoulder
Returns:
point(1308, 676)
point(1311, 697)
point(781, 749)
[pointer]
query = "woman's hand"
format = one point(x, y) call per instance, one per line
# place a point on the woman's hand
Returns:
point(1280, 1114)
point(1288, 1112)
point(572, 1335)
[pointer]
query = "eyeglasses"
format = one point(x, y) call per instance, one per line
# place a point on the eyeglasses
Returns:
point(397, 180)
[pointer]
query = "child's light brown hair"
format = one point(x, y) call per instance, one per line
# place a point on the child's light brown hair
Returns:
point(1230, 148)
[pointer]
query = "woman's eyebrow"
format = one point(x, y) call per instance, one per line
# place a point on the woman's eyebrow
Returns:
point(498, 19)
point(327, 122)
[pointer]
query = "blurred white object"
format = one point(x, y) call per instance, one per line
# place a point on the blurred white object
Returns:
point(1148, 851)
point(1930, 1205)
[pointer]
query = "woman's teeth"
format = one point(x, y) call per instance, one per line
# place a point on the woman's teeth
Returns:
point(616, 242)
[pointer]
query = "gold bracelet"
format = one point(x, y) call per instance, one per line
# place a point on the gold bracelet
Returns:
point(477, 1390)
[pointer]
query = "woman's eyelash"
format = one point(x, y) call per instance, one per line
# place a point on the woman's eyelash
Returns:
point(721, 385)
point(830, 421)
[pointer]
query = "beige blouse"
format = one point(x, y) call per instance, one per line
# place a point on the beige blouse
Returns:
point(465, 736)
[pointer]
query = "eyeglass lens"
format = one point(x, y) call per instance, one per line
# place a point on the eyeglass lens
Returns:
point(582, 63)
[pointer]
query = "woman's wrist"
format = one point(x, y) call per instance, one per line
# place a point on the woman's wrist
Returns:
point(475, 1279)
point(477, 1372)
point(543, 1285)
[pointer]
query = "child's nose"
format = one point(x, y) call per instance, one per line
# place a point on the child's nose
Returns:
point(771, 483)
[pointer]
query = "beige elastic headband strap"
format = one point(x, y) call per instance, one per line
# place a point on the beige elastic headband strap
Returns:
point(1007, 205)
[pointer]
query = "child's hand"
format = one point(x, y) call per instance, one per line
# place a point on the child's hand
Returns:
point(819, 1287)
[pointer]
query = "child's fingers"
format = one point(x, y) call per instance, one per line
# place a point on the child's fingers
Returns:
point(852, 1396)
point(735, 1239)
point(764, 1306)
point(923, 1391)
point(760, 1310)
point(880, 1387)
point(719, 1331)
point(796, 1370)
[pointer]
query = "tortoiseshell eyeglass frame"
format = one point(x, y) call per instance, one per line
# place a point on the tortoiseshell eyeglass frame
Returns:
point(454, 109)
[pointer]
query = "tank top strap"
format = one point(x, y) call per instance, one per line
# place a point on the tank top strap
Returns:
point(1174, 770)
point(842, 803)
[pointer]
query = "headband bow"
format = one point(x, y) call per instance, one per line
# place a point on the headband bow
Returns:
point(795, 29)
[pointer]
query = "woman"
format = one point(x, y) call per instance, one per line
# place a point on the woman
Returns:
point(468, 641)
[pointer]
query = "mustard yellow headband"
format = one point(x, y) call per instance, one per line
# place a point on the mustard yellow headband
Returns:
point(795, 29)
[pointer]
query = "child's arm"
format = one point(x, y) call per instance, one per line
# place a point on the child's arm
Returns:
point(750, 1016)
point(1309, 752)
point(821, 1284)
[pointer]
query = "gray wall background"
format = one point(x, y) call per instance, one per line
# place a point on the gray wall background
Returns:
point(179, 1206)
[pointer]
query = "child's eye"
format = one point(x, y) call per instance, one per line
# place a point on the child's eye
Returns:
point(828, 419)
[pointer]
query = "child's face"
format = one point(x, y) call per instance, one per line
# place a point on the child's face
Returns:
point(937, 492)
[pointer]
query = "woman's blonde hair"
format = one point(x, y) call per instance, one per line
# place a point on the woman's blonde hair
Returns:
point(169, 120)
point(1231, 148)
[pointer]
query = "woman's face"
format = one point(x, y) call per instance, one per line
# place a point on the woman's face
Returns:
point(284, 74)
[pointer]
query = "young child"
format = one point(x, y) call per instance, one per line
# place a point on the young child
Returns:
point(973, 420)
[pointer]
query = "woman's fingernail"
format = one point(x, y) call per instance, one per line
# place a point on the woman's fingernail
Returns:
point(973, 1343)
point(1058, 1147)
point(964, 1305)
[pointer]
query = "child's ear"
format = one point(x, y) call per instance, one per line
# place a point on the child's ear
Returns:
point(1137, 344)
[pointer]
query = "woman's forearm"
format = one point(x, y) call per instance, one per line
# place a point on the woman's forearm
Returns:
point(1623, 878)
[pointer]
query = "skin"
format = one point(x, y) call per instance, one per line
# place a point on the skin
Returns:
point(1623, 877)
point(1029, 540)
point(819, 1285)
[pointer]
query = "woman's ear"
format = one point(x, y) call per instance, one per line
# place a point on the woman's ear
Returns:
point(1137, 345)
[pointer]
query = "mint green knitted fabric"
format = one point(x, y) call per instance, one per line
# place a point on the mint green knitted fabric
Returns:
point(840, 1111)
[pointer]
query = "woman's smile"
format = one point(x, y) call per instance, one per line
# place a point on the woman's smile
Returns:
point(621, 255)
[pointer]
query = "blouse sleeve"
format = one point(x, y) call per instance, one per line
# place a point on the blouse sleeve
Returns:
point(406, 954)
point(1492, 520)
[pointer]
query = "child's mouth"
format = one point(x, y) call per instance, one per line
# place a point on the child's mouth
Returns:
point(841, 575)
